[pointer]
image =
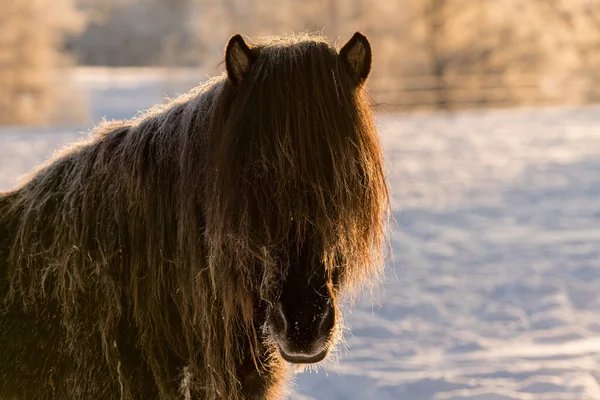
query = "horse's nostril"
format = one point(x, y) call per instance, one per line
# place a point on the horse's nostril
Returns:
point(278, 319)
point(327, 319)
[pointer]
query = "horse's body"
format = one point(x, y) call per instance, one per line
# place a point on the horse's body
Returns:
point(41, 360)
point(192, 253)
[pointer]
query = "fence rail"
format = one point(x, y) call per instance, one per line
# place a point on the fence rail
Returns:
point(459, 91)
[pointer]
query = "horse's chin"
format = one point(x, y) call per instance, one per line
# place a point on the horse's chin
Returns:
point(303, 358)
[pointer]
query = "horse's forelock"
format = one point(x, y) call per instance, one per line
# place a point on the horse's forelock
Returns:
point(299, 153)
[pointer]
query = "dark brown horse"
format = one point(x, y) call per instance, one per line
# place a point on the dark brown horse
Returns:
point(202, 249)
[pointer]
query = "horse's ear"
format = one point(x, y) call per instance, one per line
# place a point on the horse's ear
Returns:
point(238, 59)
point(357, 55)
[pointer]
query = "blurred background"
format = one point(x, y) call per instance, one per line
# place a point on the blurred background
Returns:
point(491, 133)
point(429, 54)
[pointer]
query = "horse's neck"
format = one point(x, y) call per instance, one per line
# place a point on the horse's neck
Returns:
point(8, 226)
point(8, 219)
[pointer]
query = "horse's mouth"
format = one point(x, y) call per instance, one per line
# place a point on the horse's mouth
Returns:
point(300, 358)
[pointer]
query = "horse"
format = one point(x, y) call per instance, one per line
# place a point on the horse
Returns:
point(202, 249)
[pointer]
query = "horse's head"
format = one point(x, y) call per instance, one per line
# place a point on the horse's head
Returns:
point(299, 190)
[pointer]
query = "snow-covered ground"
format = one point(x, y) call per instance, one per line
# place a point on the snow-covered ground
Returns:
point(494, 288)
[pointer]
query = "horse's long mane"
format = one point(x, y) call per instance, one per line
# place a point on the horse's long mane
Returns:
point(179, 220)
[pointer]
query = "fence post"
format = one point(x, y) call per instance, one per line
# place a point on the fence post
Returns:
point(436, 15)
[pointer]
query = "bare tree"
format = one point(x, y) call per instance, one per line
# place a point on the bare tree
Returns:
point(435, 15)
point(573, 47)
point(31, 41)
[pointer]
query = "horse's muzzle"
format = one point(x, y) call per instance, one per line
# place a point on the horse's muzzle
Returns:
point(302, 332)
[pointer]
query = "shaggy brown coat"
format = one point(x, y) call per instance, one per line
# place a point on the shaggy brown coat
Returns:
point(137, 264)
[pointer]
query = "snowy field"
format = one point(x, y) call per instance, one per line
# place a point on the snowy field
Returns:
point(494, 290)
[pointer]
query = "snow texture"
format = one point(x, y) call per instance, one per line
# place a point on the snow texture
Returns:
point(493, 290)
